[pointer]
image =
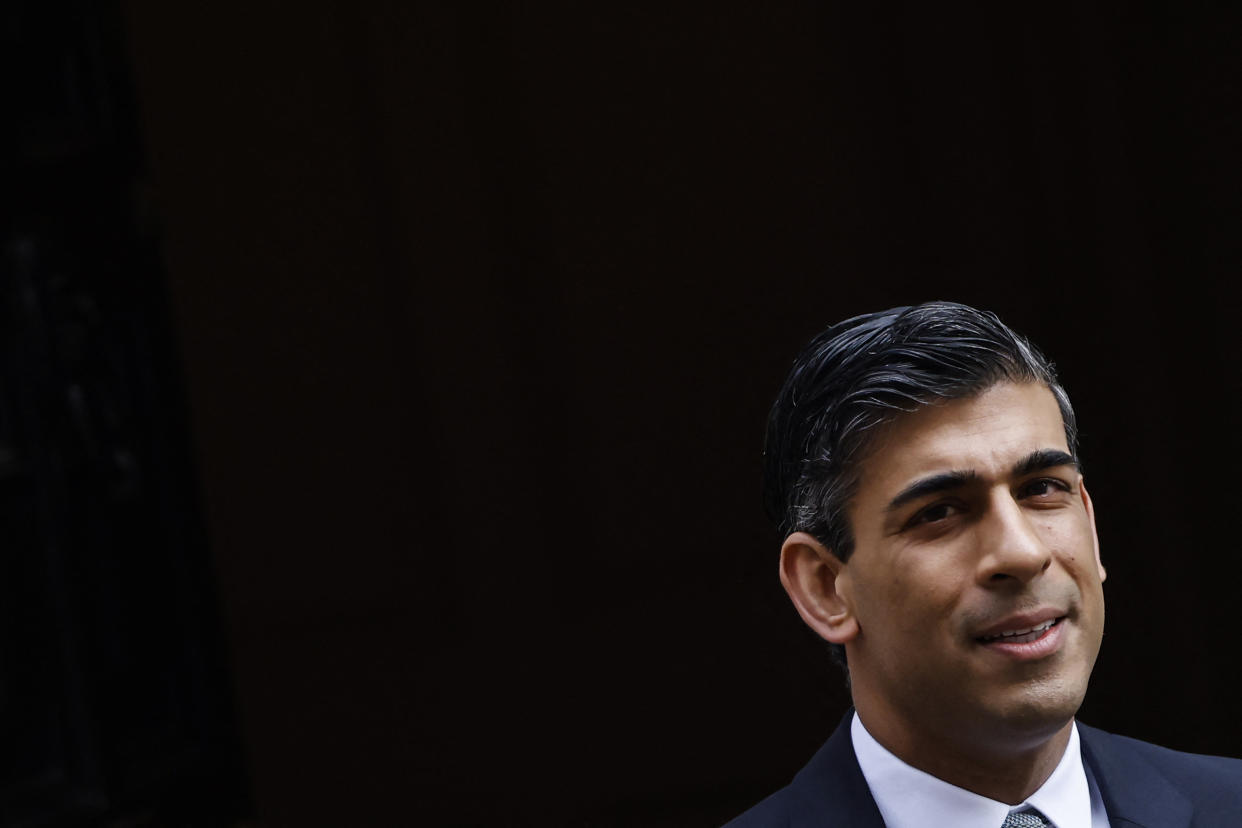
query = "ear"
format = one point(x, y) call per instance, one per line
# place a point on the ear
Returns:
point(819, 586)
point(1095, 540)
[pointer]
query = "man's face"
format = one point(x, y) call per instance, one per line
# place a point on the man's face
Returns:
point(972, 527)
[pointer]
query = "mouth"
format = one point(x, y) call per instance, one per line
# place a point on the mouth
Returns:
point(1026, 639)
point(1024, 635)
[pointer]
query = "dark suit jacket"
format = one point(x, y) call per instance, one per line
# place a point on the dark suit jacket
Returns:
point(1141, 785)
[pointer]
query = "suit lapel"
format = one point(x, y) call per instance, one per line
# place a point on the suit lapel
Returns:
point(1134, 792)
point(831, 789)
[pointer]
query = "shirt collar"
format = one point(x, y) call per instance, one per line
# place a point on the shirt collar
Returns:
point(908, 797)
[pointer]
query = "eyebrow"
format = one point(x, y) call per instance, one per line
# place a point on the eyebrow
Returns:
point(932, 485)
point(1041, 459)
point(1037, 460)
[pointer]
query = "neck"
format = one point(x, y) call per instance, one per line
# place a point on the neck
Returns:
point(1005, 768)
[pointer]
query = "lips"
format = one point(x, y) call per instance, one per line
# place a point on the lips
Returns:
point(1021, 636)
point(1021, 628)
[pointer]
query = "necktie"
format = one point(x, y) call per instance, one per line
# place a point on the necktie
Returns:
point(1026, 819)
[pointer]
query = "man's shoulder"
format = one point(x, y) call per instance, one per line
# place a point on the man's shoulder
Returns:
point(829, 790)
point(1199, 777)
point(774, 812)
point(798, 805)
point(1162, 757)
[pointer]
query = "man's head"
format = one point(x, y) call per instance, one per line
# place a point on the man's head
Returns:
point(864, 372)
point(922, 464)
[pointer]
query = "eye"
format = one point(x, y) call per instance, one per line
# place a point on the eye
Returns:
point(935, 513)
point(1045, 488)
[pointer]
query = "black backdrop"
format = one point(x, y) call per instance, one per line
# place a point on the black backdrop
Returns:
point(482, 305)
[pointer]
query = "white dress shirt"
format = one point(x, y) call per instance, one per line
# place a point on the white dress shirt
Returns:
point(911, 798)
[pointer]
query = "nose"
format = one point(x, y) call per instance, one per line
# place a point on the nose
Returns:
point(1012, 549)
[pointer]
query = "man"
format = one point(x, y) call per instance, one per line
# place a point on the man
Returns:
point(922, 464)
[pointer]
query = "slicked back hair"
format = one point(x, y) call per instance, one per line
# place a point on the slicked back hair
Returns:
point(864, 372)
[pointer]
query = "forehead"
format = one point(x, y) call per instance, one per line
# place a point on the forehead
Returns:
point(985, 433)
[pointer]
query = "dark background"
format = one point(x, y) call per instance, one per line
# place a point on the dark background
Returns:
point(476, 311)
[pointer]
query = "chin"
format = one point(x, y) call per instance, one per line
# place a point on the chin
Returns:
point(1038, 711)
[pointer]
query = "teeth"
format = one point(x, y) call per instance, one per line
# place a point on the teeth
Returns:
point(1027, 631)
point(1041, 627)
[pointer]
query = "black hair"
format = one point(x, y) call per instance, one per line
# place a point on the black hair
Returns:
point(867, 371)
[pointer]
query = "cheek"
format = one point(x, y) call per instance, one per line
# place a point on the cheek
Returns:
point(908, 599)
point(1074, 544)
point(881, 601)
